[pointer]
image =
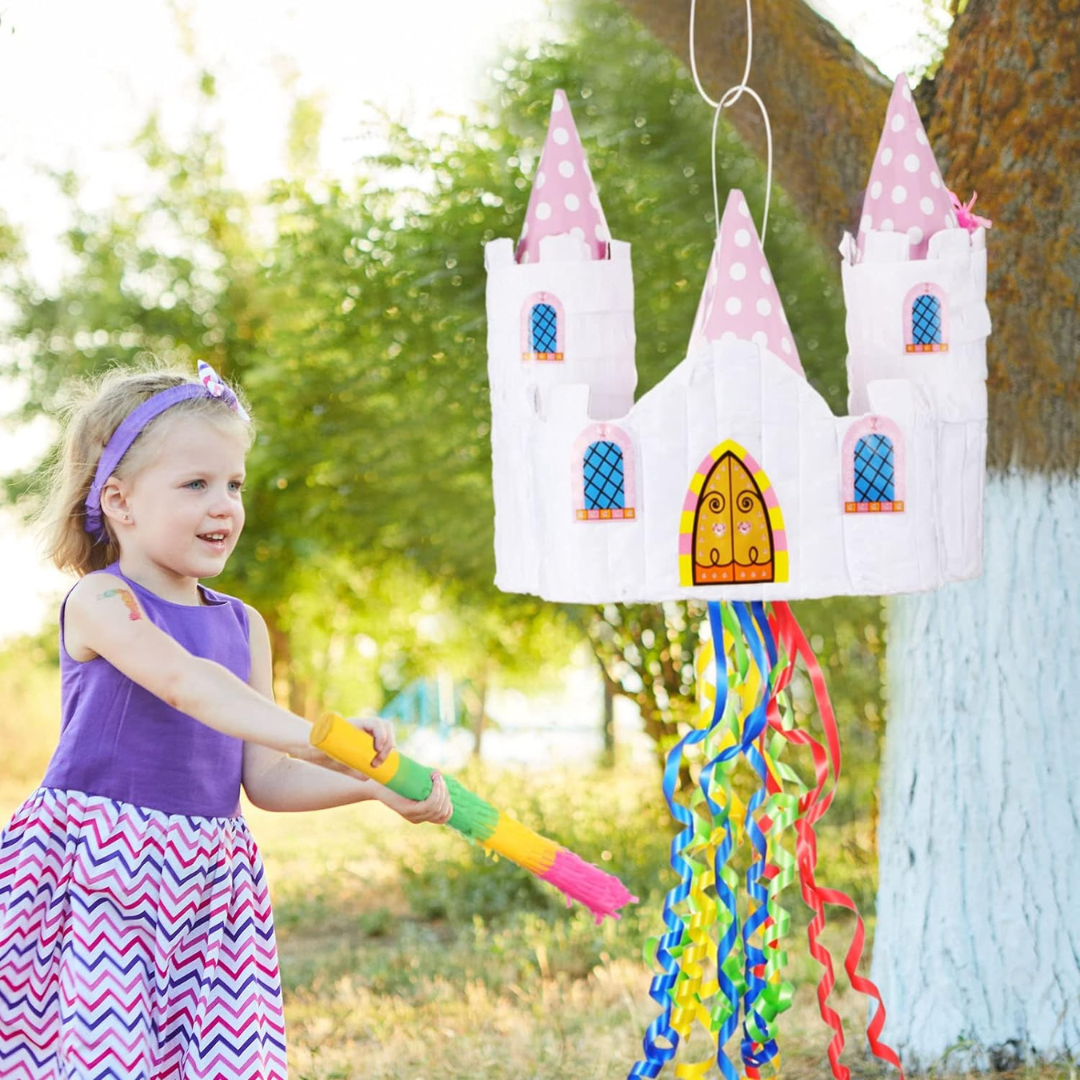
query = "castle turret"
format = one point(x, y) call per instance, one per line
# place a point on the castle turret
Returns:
point(560, 324)
point(906, 194)
point(566, 294)
point(914, 280)
point(563, 199)
point(915, 290)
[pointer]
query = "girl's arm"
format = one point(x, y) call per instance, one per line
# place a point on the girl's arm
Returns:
point(104, 618)
point(273, 781)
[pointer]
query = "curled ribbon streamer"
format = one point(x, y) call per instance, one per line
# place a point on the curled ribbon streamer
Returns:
point(778, 814)
point(758, 1043)
point(715, 807)
point(745, 710)
point(722, 1019)
point(723, 617)
point(826, 767)
point(669, 946)
point(723, 806)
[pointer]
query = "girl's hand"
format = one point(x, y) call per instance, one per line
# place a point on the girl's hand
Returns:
point(436, 808)
point(381, 733)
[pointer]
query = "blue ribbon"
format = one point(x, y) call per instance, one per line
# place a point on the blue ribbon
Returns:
point(656, 1056)
point(754, 625)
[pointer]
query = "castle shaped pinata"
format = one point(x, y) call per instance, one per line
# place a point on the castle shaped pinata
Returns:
point(731, 478)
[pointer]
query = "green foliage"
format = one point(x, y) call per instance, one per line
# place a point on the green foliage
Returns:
point(29, 720)
point(353, 315)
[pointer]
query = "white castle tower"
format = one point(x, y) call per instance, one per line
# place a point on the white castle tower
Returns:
point(915, 292)
point(731, 479)
point(560, 319)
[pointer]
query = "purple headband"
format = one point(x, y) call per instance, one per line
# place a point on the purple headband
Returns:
point(209, 385)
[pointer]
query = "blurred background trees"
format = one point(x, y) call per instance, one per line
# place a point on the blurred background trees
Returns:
point(352, 313)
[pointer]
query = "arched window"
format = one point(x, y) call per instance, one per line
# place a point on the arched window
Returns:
point(926, 319)
point(604, 488)
point(873, 467)
point(602, 472)
point(732, 529)
point(543, 327)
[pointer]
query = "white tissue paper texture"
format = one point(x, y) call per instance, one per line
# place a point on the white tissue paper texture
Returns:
point(734, 390)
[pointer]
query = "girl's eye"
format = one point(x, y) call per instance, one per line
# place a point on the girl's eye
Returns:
point(195, 484)
point(236, 485)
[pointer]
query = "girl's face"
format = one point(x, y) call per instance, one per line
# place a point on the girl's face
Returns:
point(185, 505)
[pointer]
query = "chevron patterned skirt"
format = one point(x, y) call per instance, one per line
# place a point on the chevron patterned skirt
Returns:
point(134, 944)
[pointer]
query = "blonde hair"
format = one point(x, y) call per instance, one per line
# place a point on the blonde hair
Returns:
point(93, 410)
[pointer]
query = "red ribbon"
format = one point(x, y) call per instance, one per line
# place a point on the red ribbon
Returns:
point(813, 806)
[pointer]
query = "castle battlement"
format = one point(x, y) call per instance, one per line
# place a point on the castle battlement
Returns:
point(731, 478)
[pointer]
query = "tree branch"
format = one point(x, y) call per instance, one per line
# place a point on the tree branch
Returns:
point(826, 101)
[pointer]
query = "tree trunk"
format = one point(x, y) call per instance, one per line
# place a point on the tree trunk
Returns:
point(979, 842)
point(607, 718)
point(480, 717)
point(287, 687)
point(979, 838)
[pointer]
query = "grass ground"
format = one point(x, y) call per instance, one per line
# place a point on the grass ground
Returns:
point(406, 955)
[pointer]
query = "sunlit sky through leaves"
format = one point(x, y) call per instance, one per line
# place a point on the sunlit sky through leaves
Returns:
point(78, 80)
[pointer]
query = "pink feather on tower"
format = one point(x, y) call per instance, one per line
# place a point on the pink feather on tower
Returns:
point(564, 198)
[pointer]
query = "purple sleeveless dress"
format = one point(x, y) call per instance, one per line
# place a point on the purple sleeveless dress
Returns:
point(136, 937)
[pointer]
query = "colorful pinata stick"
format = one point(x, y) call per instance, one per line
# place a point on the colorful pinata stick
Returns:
point(477, 820)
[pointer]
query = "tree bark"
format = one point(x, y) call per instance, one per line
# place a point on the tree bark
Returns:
point(976, 946)
point(826, 101)
point(480, 715)
point(1006, 114)
point(979, 830)
point(287, 687)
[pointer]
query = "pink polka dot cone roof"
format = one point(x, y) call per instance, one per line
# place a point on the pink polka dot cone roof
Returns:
point(740, 297)
point(906, 192)
point(564, 198)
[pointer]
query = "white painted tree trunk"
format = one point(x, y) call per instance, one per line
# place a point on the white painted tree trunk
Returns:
point(977, 947)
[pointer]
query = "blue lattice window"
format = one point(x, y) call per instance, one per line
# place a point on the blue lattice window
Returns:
point(544, 324)
point(543, 327)
point(926, 320)
point(605, 487)
point(874, 469)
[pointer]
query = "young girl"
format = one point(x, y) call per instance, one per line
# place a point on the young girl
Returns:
point(136, 938)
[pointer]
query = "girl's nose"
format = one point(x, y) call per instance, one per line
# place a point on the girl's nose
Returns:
point(223, 505)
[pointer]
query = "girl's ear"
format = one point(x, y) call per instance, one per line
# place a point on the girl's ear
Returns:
point(114, 502)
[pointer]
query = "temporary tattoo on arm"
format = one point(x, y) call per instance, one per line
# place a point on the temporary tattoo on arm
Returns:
point(129, 600)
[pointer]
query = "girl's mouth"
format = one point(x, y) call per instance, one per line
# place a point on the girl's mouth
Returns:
point(215, 540)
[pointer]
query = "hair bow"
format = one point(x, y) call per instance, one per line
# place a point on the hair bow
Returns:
point(965, 218)
point(216, 388)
